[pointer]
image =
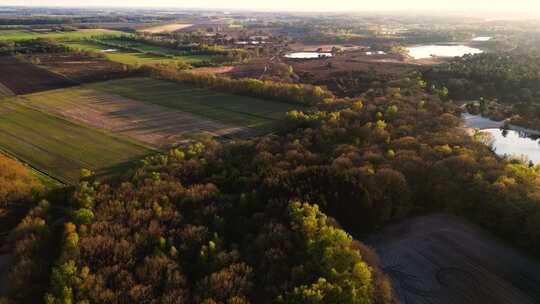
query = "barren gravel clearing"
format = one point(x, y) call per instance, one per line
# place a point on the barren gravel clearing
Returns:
point(439, 259)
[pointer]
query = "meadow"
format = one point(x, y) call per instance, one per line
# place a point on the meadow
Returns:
point(74, 35)
point(58, 147)
point(242, 111)
point(138, 58)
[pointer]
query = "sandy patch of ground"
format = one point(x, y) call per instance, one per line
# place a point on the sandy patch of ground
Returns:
point(212, 70)
point(97, 30)
point(167, 28)
point(149, 123)
point(441, 259)
point(325, 47)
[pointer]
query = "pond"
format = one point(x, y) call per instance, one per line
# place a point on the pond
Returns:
point(482, 38)
point(427, 51)
point(308, 55)
point(514, 141)
point(376, 53)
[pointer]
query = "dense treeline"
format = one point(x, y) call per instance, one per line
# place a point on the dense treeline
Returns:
point(291, 93)
point(226, 223)
point(510, 79)
point(32, 251)
point(30, 46)
point(18, 184)
point(164, 237)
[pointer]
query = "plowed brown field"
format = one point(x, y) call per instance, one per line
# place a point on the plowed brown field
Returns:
point(23, 78)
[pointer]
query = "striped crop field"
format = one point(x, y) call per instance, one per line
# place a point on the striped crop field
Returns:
point(59, 147)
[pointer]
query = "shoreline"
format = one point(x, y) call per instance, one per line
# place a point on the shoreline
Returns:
point(479, 122)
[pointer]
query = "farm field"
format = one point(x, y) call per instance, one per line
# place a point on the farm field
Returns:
point(226, 108)
point(167, 28)
point(23, 78)
point(163, 50)
point(77, 67)
point(75, 35)
point(146, 122)
point(132, 58)
point(5, 91)
point(59, 147)
point(441, 259)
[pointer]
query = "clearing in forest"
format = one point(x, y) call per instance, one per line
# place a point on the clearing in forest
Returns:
point(59, 147)
point(443, 259)
point(241, 111)
point(150, 123)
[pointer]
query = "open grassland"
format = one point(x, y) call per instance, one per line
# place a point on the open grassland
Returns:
point(59, 147)
point(145, 47)
point(21, 77)
point(227, 108)
point(75, 35)
point(138, 58)
point(131, 58)
point(150, 123)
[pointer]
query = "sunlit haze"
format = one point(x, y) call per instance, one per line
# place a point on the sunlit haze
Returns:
point(307, 5)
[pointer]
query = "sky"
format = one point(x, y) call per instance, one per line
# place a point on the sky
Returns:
point(308, 5)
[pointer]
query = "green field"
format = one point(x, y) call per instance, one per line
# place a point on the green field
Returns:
point(5, 91)
point(59, 147)
point(75, 35)
point(133, 58)
point(130, 58)
point(226, 108)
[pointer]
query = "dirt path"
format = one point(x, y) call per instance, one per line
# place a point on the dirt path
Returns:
point(439, 259)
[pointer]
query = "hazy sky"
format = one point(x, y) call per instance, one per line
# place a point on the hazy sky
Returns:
point(308, 5)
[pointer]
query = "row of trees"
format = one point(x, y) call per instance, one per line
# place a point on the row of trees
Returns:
point(18, 184)
point(32, 250)
point(285, 92)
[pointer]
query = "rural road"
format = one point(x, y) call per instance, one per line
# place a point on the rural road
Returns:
point(440, 259)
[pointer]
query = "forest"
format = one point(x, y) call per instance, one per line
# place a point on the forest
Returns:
point(282, 216)
point(510, 80)
point(264, 220)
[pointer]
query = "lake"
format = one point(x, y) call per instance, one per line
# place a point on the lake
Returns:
point(514, 141)
point(308, 55)
point(427, 51)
